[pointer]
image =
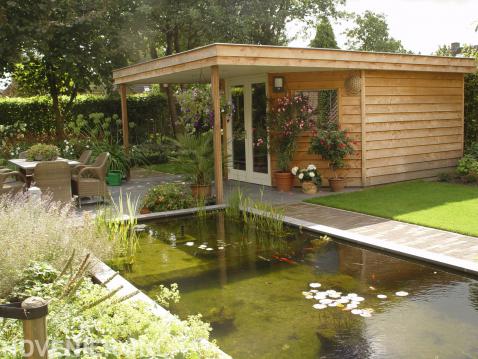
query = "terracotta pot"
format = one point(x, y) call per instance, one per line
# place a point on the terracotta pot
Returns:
point(144, 210)
point(201, 191)
point(309, 187)
point(337, 184)
point(284, 181)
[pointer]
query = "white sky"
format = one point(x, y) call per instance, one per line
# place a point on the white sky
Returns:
point(421, 25)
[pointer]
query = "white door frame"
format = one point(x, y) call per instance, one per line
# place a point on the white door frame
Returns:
point(248, 175)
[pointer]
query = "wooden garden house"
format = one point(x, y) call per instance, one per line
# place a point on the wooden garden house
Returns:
point(404, 112)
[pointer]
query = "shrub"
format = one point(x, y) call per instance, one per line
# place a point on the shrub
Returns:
point(90, 322)
point(168, 197)
point(468, 168)
point(43, 152)
point(43, 231)
point(148, 111)
point(472, 150)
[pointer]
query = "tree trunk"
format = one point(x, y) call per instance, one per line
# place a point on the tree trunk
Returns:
point(59, 120)
point(173, 114)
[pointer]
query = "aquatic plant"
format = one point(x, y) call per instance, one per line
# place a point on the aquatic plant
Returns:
point(119, 225)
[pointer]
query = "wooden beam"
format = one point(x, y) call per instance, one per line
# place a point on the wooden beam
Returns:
point(363, 116)
point(222, 88)
point(124, 116)
point(216, 99)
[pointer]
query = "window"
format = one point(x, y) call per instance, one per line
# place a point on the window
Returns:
point(326, 105)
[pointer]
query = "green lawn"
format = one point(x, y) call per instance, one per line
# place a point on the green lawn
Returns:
point(170, 167)
point(452, 207)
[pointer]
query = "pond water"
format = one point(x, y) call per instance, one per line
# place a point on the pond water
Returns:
point(253, 288)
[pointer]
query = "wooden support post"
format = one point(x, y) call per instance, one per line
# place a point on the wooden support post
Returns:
point(34, 331)
point(216, 100)
point(124, 116)
point(363, 121)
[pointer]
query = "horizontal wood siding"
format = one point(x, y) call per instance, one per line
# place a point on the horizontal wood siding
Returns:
point(414, 124)
point(349, 119)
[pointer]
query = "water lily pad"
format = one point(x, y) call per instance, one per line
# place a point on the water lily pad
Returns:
point(356, 311)
point(365, 314)
point(325, 301)
point(309, 296)
point(209, 249)
point(401, 294)
point(189, 244)
point(358, 299)
point(314, 285)
point(319, 306)
point(381, 296)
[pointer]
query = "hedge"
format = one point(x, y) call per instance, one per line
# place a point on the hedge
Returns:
point(148, 111)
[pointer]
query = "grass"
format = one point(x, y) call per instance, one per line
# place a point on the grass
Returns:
point(170, 167)
point(451, 207)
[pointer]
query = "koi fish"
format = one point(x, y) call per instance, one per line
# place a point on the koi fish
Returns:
point(283, 259)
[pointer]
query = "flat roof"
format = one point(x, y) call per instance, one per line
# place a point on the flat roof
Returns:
point(235, 60)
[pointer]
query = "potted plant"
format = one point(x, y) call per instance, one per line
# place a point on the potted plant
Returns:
point(309, 178)
point(333, 145)
point(195, 151)
point(43, 152)
point(290, 115)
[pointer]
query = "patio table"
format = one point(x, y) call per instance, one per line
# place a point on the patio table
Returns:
point(28, 167)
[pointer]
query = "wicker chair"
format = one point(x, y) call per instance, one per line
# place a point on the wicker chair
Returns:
point(91, 179)
point(85, 157)
point(12, 182)
point(23, 155)
point(54, 178)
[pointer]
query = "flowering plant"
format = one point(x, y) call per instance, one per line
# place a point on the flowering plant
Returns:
point(196, 109)
point(307, 174)
point(333, 145)
point(290, 115)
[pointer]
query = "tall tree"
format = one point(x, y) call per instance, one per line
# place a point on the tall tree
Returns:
point(324, 35)
point(371, 33)
point(75, 45)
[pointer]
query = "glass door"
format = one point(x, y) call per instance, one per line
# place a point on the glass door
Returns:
point(249, 157)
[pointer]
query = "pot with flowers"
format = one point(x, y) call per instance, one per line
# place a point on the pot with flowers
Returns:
point(289, 116)
point(333, 145)
point(309, 178)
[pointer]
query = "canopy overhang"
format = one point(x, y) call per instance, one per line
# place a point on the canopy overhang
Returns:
point(235, 60)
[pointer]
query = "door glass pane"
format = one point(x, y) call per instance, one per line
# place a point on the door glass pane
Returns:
point(238, 129)
point(259, 146)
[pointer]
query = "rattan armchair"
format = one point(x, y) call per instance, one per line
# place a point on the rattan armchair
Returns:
point(54, 179)
point(12, 182)
point(90, 180)
point(85, 157)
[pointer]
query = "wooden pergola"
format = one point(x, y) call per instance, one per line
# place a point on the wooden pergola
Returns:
point(212, 63)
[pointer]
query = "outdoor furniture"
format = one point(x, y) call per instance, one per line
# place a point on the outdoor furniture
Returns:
point(85, 157)
point(23, 155)
point(28, 167)
point(12, 182)
point(90, 180)
point(54, 178)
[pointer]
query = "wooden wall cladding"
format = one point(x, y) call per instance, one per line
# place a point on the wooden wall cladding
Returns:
point(414, 124)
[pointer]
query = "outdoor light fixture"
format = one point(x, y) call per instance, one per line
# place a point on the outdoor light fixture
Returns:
point(278, 84)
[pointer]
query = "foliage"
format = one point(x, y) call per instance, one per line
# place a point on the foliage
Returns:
point(468, 167)
point(333, 145)
point(43, 231)
point(91, 322)
point(289, 116)
point(119, 227)
point(168, 295)
point(471, 92)
point(451, 207)
point(371, 33)
point(168, 197)
point(196, 152)
point(43, 152)
point(196, 109)
point(324, 35)
point(307, 174)
point(78, 52)
point(472, 150)
point(104, 135)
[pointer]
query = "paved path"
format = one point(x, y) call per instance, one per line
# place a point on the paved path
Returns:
point(414, 237)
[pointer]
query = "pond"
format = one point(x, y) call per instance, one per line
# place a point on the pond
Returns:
point(305, 296)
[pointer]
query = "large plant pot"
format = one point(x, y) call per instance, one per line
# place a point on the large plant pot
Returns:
point(201, 191)
point(309, 187)
point(114, 178)
point(337, 184)
point(284, 181)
